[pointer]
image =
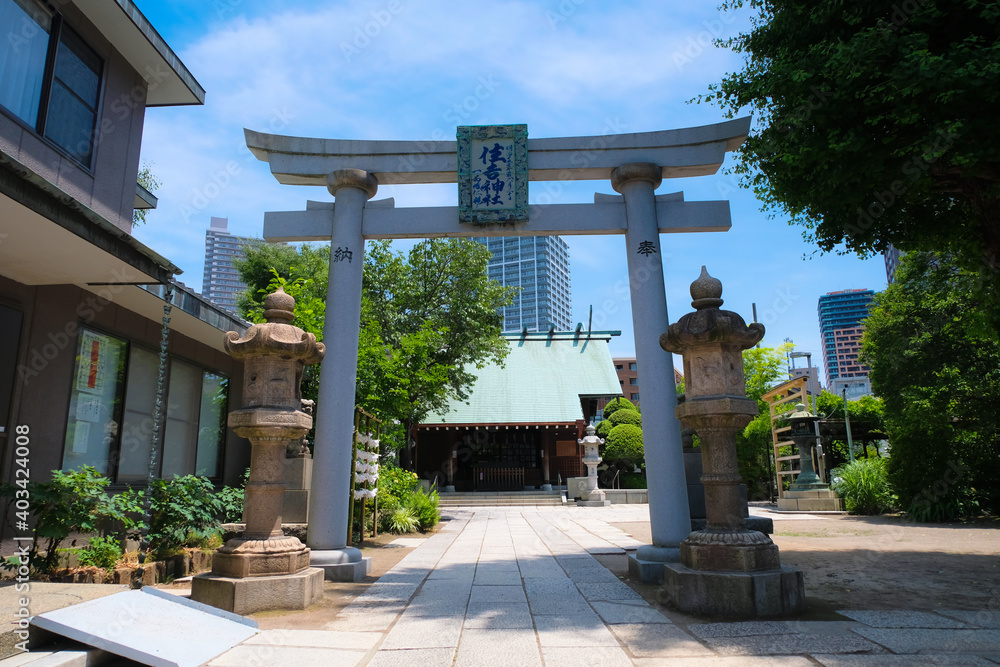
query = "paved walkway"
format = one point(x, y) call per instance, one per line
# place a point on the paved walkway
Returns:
point(521, 586)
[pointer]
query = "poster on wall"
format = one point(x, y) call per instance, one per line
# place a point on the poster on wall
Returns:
point(92, 369)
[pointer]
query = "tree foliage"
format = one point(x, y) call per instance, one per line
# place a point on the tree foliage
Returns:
point(147, 179)
point(763, 367)
point(936, 364)
point(872, 125)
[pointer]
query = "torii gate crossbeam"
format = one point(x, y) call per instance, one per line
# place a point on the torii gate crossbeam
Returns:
point(635, 165)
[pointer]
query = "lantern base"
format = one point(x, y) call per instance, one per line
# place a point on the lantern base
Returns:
point(248, 595)
point(734, 594)
point(729, 551)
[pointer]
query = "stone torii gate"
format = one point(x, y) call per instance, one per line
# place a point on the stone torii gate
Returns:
point(634, 163)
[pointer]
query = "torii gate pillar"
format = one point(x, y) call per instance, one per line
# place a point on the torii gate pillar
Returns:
point(331, 483)
point(669, 523)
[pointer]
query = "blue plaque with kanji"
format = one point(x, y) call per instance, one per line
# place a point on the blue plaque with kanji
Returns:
point(492, 174)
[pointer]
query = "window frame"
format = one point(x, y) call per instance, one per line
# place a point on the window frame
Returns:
point(38, 126)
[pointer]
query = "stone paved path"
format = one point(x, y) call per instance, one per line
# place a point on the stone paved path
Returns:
point(520, 586)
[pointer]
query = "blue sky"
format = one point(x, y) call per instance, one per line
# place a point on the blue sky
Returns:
point(411, 70)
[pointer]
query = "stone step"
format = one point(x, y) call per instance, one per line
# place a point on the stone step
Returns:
point(499, 498)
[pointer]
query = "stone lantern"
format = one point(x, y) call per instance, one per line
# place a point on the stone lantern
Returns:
point(726, 569)
point(803, 434)
point(808, 493)
point(592, 496)
point(264, 569)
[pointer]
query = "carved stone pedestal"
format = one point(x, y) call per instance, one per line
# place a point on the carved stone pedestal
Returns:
point(726, 568)
point(265, 569)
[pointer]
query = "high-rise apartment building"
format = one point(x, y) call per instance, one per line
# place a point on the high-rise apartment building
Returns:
point(539, 265)
point(841, 316)
point(221, 282)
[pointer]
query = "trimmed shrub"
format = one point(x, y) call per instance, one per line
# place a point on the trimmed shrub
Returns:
point(624, 443)
point(623, 416)
point(617, 404)
point(603, 429)
point(864, 486)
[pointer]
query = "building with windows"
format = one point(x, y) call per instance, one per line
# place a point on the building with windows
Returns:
point(841, 324)
point(891, 257)
point(81, 300)
point(628, 377)
point(539, 265)
point(221, 282)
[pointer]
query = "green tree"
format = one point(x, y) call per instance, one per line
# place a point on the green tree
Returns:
point(871, 126)
point(867, 426)
point(763, 367)
point(147, 179)
point(431, 318)
point(428, 319)
point(936, 364)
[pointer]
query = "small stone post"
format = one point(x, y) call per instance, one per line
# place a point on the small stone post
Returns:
point(726, 569)
point(592, 496)
point(264, 569)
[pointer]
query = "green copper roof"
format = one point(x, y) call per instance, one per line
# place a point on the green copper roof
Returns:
point(542, 381)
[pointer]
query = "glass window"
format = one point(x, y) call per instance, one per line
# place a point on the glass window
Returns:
point(22, 57)
point(634, 382)
point(137, 426)
point(631, 366)
point(212, 423)
point(72, 89)
point(95, 401)
point(180, 434)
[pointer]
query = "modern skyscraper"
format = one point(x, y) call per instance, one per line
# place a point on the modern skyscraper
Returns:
point(841, 316)
point(539, 265)
point(891, 263)
point(221, 283)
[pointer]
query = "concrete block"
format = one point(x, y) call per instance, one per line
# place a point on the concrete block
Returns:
point(347, 571)
point(252, 594)
point(811, 504)
point(150, 627)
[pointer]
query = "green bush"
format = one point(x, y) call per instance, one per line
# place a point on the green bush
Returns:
point(624, 443)
point(633, 480)
point(102, 552)
point(864, 486)
point(401, 520)
point(394, 484)
point(623, 416)
point(424, 506)
point(616, 404)
point(184, 511)
point(72, 501)
point(603, 429)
